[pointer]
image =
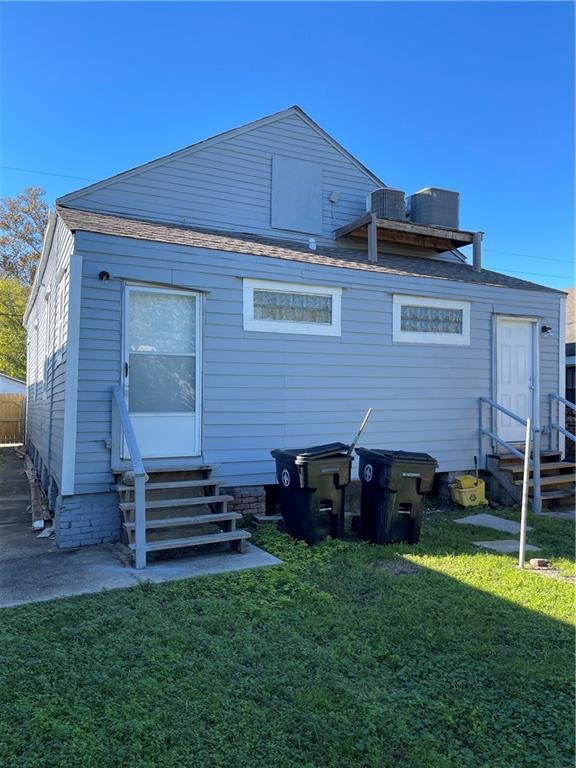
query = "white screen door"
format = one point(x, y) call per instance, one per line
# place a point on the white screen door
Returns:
point(514, 372)
point(162, 370)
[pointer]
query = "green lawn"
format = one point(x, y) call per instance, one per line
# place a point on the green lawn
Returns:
point(349, 655)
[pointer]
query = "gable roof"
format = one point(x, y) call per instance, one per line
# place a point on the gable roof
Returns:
point(295, 110)
point(254, 245)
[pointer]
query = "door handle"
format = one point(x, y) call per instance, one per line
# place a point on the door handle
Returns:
point(125, 370)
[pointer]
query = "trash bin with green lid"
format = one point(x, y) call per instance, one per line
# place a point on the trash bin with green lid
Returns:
point(394, 486)
point(312, 490)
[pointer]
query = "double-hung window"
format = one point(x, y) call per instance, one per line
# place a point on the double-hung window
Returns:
point(425, 320)
point(278, 307)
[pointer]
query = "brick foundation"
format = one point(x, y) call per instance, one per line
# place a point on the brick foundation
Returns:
point(248, 499)
point(87, 519)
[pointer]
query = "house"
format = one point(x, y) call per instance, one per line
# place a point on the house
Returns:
point(11, 386)
point(257, 290)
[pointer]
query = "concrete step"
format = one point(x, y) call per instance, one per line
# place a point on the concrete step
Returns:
point(171, 522)
point(195, 541)
point(190, 501)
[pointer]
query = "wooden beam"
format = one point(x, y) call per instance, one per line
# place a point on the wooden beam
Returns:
point(423, 235)
point(421, 241)
point(372, 239)
point(348, 229)
point(425, 229)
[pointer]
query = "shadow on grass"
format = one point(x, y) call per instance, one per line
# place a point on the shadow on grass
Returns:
point(446, 658)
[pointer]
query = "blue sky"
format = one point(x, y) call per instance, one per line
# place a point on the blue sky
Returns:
point(476, 97)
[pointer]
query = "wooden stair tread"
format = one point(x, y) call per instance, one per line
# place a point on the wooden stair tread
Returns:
point(206, 483)
point(169, 522)
point(510, 456)
point(547, 466)
point(190, 501)
point(193, 541)
point(557, 494)
point(553, 480)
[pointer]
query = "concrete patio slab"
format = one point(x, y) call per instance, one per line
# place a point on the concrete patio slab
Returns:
point(68, 572)
point(492, 521)
point(33, 569)
point(506, 546)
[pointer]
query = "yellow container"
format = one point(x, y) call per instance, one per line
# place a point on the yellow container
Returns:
point(468, 496)
point(467, 481)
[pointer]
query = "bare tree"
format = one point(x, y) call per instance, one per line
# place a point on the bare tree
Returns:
point(23, 220)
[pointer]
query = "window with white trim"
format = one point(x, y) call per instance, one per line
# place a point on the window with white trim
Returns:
point(425, 320)
point(277, 307)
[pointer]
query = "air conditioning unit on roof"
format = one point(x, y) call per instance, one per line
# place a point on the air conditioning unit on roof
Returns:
point(439, 207)
point(387, 203)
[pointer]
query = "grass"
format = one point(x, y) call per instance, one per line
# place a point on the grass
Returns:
point(347, 656)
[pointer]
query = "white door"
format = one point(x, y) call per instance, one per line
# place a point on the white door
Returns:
point(514, 371)
point(162, 370)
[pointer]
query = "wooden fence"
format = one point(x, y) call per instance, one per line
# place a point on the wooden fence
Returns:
point(12, 418)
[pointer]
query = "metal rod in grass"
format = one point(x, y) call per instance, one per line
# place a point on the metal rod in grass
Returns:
point(524, 509)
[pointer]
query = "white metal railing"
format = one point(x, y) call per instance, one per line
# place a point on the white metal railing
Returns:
point(139, 476)
point(536, 434)
point(556, 424)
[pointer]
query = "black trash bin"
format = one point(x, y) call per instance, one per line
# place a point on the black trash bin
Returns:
point(394, 486)
point(312, 490)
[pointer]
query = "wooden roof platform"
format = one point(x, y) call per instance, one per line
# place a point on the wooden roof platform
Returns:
point(406, 233)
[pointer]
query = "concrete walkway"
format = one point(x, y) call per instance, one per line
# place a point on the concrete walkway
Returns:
point(35, 570)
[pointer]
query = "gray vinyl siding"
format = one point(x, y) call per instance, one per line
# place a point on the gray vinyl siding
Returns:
point(46, 373)
point(267, 390)
point(227, 185)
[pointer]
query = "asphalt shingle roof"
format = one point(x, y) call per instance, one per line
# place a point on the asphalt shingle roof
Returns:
point(255, 245)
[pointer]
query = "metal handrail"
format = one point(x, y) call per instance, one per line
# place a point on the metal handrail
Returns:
point(555, 396)
point(534, 461)
point(556, 424)
point(499, 407)
point(139, 476)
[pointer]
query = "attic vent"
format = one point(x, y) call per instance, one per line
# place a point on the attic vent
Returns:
point(440, 207)
point(387, 203)
point(296, 195)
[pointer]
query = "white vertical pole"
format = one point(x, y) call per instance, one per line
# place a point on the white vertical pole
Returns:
point(525, 480)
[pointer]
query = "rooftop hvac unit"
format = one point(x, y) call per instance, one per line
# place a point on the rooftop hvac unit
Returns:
point(439, 207)
point(387, 203)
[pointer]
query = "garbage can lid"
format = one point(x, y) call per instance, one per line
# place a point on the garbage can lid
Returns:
point(314, 452)
point(389, 456)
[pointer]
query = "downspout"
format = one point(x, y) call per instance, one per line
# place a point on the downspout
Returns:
point(477, 251)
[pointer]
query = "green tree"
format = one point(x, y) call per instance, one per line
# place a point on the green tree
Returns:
point(13, 298)
point(23, 220)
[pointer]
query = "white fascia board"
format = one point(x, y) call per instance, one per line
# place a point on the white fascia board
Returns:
point(46, 249)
